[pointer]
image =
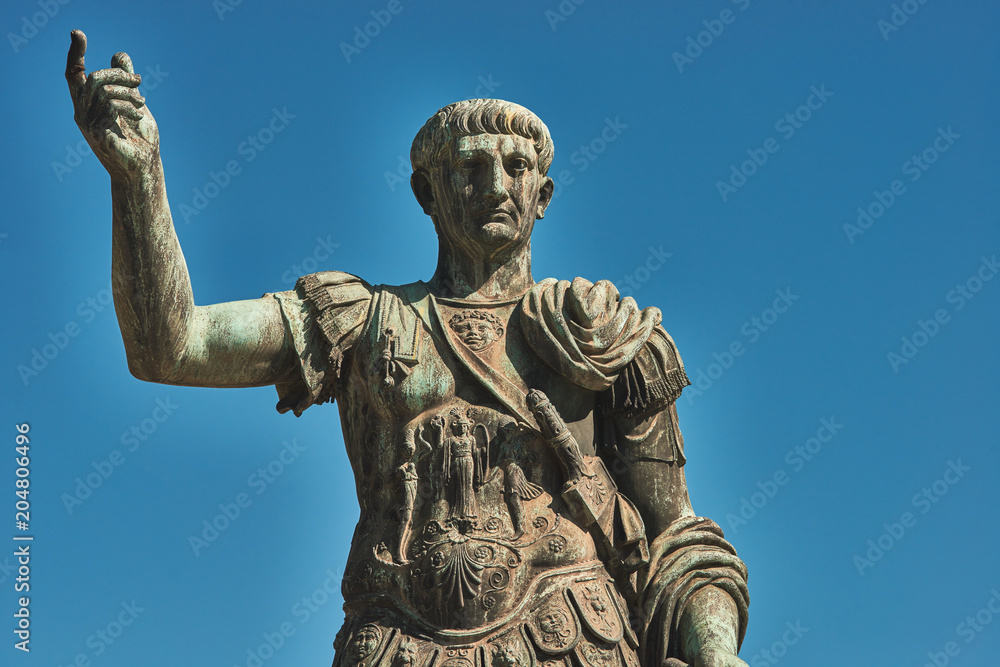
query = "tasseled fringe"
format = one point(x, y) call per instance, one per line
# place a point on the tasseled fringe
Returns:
point(633, 394)
point(317, 294)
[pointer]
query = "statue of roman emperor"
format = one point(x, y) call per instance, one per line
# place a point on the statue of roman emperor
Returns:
point(515, 444)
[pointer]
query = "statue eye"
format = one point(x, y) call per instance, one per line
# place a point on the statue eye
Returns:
point(518, 165)
point(468, 164)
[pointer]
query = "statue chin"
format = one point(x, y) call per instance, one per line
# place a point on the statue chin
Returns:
point(496, 240)
point(498, 230)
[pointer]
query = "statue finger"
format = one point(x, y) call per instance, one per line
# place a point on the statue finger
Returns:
point(75, 67)
point(121, 60)
point(114, 116)
point(123, 108)
point(107, 93)
point(114, 77)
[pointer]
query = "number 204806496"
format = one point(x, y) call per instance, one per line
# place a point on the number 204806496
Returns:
point(22, 517)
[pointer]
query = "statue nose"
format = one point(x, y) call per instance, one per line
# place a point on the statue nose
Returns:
point(496, 197)
point(497, 191)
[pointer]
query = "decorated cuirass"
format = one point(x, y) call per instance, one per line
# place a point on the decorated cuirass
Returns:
point(491, 531)
point(476, 541)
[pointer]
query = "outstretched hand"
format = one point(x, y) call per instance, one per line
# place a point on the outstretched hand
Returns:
point(111, 113)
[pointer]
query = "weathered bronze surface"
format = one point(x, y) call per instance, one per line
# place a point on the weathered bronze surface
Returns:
point(519, 466)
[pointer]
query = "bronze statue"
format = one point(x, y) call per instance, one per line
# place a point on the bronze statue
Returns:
point(518, 462)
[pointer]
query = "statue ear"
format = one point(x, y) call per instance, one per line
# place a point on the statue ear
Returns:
point(544, 197)
point(424, 192)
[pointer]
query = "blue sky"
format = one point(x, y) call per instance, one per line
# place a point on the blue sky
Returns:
point(712, 155)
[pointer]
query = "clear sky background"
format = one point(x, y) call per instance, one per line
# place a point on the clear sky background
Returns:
point(647, 123)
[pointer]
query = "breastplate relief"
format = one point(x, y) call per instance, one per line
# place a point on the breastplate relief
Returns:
point(467, 508)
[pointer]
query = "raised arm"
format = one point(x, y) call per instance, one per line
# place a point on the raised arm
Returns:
point(167, 337)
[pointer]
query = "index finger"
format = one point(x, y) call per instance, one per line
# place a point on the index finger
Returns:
point(75, 68)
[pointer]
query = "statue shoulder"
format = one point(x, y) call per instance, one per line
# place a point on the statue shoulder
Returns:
point(333, 288)
point(585, 331)
point(334, 303)
point(592, 305)
point(324, 316)
point(596, 296)
point(600, 340)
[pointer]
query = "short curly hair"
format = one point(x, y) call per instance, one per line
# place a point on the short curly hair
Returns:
point(476, 117)
point(464, 315)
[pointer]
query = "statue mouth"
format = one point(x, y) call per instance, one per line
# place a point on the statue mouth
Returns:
point(494, 215)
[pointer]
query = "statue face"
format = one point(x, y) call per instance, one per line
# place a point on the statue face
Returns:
point(366, 641)
point(461, 427)
point(489, 193)
point(406, 656)
point(477, 334)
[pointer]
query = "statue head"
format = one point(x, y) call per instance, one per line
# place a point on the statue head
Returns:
point(406, 655)
point(367, 640)
point(506, 655)
point(479, 172)
point(478, 329)
point(460, 422)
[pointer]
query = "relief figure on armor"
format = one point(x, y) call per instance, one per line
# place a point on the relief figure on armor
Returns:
point(464, 464)
point(408, 478)
point(517, 455)
point(477, 329)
